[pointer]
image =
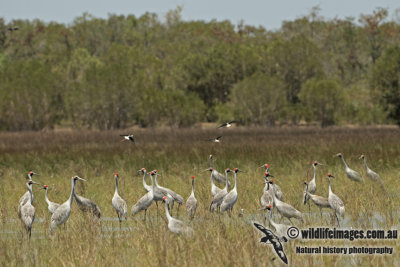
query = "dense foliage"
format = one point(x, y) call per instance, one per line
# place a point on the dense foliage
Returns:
point(126, 70)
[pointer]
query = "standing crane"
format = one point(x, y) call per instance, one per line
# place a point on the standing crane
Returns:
point(174, 225)
point(334, 201)
point(267, 199)
point(145, 201)
point(168, 192)
point(28, 210)
point(214, 189)
point(216, 175)
point(25, 197)
point(158, 193)
point(62, 213)
point(370, 173)
point(217, 199)
point(351, 174)
point(285, 209)
point(191, 202)
point(52, 206)
point(312, 185)
point(87, 205)
point(321, 202)
point(230, 199)
point(118, 203)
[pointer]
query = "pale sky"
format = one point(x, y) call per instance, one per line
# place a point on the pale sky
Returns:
point(267, 13)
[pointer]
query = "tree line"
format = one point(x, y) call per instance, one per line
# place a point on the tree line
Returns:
point(150, 71)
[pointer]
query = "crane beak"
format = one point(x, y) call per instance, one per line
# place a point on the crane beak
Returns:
point(205, 170)
point(262, 166)
point(35, 183)
point(82, 179)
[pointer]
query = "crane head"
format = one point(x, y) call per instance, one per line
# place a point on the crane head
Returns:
point(269, 207)
point(330, 175)
point(362, 157)
point(76, 177)
point(116, 174)
point(192, 177)
point(271, 181)
point(31, 173)
point(45, 186)
point(339, 155)
point(227, 170)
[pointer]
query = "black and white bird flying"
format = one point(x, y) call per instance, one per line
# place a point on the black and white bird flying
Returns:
point(128, 137)
point(273, 240)
point(216, 139)
point(226, 124)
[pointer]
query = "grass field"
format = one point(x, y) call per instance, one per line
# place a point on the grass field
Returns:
point(178, 154)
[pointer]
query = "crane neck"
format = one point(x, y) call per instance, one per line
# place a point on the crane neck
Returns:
point(144, 180)
point(72, 191)
point(273, 194)
point(235, 188)
point(226, 178)
point(192, 187)
point(46, 197)
point(30, 177)
point(30, 192)
point(167, 211)
point(365, 163)
point(116, 184)
point(211, 162)
point(155, 180)
point(315, 172)
point(330, 187)
point(344, 163)
point(211, 180)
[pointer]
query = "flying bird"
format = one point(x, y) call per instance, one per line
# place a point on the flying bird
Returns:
point(128, 137)
point(215, 140)
point(226, 124)
point(273, 240)
point(14, 28)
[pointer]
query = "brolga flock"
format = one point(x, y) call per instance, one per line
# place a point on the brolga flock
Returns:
point(223, 199)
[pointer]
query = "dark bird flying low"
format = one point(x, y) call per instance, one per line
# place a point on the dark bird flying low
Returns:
point(227, 124)
point(273, 240)
point(128, 137)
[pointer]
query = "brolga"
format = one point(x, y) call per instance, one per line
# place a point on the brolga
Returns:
point(87, 205)
point(277, 190)
point(52, 206)
point(145, 201)
point(158, 194)
point(351, 174)
point(267, 198)
point(174, 225)
point(214, 189)
point(285, 209)
point(118, 203)
point(217, 199)
point(128, 137)
point(334, 201)
point(280, 229)
point(217, 176)
point(226, 124)
point(320, 202)
point(28, 210)
point(25, 197)
point(230, 199)
point(370, 173)
point(312, 185)
point(62, 213)
point(168, 192)
point(191, 202)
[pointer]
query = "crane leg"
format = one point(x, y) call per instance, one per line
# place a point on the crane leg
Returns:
point(144, 215)
point(309, 207)
point(337, 219)
point(290, 221)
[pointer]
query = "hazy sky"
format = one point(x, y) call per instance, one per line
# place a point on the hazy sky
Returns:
point(267, 13)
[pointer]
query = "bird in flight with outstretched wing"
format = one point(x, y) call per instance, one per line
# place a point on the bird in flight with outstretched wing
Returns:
point(273, 240)
point(226, 124)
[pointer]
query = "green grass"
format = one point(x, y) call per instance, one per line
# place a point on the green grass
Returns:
point(179, 154)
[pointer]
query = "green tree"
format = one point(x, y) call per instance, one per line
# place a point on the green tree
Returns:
point(322, 100)
point(258, 99)
point(386, 81)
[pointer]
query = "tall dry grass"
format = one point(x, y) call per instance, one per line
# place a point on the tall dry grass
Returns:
point(179, 154)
